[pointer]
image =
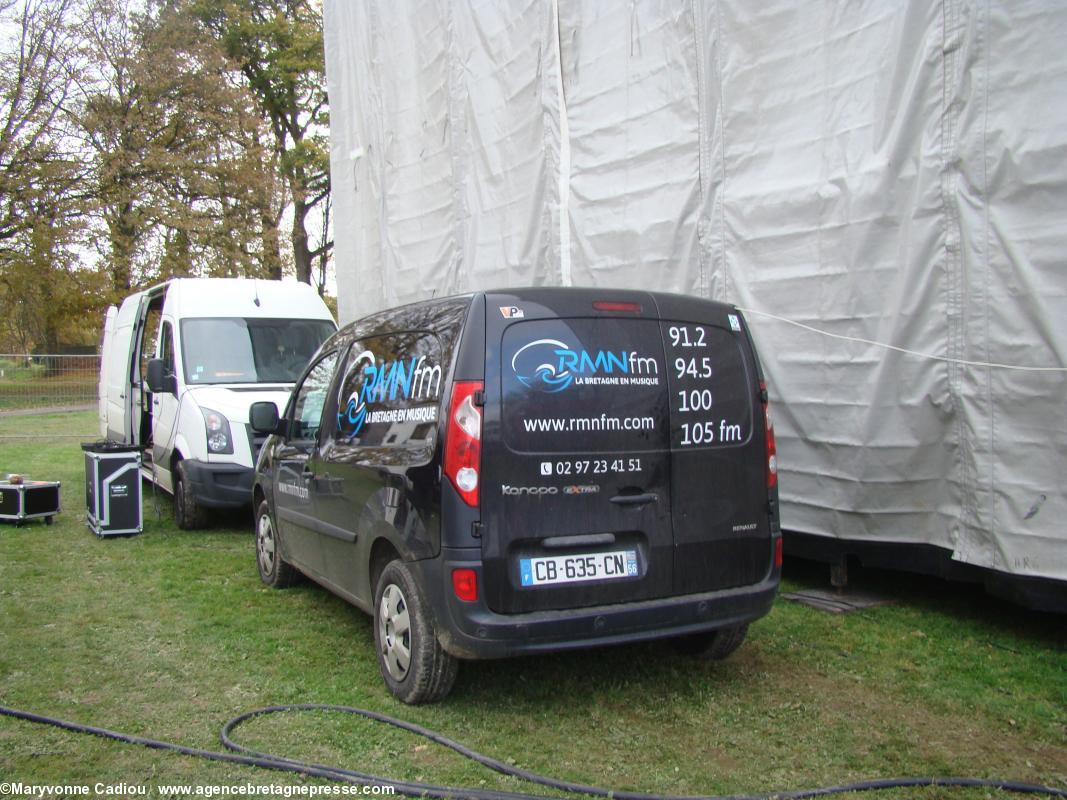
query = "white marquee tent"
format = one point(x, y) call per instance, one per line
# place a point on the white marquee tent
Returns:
point(882, 186)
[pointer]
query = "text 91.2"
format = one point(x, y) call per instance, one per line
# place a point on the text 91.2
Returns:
point(682, 336)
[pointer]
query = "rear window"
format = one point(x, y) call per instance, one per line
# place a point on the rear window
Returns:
point(584, 385)
point(623, 385)
point(710, 388)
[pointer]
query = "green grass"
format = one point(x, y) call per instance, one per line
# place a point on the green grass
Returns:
point(169, 634)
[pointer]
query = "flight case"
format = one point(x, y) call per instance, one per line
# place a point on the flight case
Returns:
point(113, 489)
point(29, 500)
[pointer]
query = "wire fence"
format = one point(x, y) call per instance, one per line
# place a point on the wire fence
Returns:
point(30, 382)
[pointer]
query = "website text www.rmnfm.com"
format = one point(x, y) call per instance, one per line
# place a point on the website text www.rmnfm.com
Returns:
point(33, 791)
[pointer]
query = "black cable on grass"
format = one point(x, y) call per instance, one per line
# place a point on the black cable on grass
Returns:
point(243, 755)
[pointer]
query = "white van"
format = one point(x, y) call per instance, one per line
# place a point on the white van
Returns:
point(183, 361)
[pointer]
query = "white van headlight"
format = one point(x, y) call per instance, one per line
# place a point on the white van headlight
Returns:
point(219, 439)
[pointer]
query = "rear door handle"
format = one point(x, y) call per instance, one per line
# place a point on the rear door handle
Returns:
point(634, 499)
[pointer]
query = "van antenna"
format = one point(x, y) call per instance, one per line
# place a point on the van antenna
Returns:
point(255, 288)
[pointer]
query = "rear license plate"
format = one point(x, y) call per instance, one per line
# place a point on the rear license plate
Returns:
point(548, 570)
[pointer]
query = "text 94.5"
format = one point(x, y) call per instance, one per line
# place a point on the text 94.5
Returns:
point(693, 367)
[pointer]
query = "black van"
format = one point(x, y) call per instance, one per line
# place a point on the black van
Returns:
point(528, 470)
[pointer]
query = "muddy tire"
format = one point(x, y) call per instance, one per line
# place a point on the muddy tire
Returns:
point(188, 514)
point(413, 664)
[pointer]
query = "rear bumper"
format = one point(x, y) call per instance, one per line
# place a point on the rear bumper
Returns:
point(220, 485)
point(473, 631)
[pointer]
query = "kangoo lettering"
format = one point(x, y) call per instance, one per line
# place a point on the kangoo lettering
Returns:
point(514, 491)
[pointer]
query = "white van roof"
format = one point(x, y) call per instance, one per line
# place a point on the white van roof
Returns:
point(237, 297)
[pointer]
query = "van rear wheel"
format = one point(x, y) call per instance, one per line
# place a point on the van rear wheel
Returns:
point(188, 514)
point(713, 645)
point(413, 664)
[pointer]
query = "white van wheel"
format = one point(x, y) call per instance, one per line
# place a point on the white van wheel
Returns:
point(413, 664)
point(188, 515)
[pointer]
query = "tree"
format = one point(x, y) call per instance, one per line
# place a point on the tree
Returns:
point(223, 197)
point(107, 110)
point(182, 181)
point(33, 86)
point(43, 294)
point(47, 299)
point(277, 46)
point(141, 139)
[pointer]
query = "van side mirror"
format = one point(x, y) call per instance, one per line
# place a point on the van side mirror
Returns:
point(158, 379)
point(263, 417)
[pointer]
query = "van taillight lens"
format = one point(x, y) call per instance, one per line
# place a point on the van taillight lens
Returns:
point(463, 441)
point(772, 449)
point(465, 584)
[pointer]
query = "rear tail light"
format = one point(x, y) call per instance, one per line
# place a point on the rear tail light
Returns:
point(772, 450)
point(465, 584)
point(463, 441)
point(778, 552)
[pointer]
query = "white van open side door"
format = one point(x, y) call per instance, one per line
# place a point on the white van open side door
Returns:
point(119, 370)
point(106, 343)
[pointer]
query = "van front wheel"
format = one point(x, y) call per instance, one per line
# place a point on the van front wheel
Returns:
point(274, 570)
point(188, 515)
point(413, 664)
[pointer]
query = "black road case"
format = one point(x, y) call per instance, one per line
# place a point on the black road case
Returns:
point(113, 489)
point(29, 500)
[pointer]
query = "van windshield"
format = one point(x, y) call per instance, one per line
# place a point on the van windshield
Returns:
point(235, 350)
